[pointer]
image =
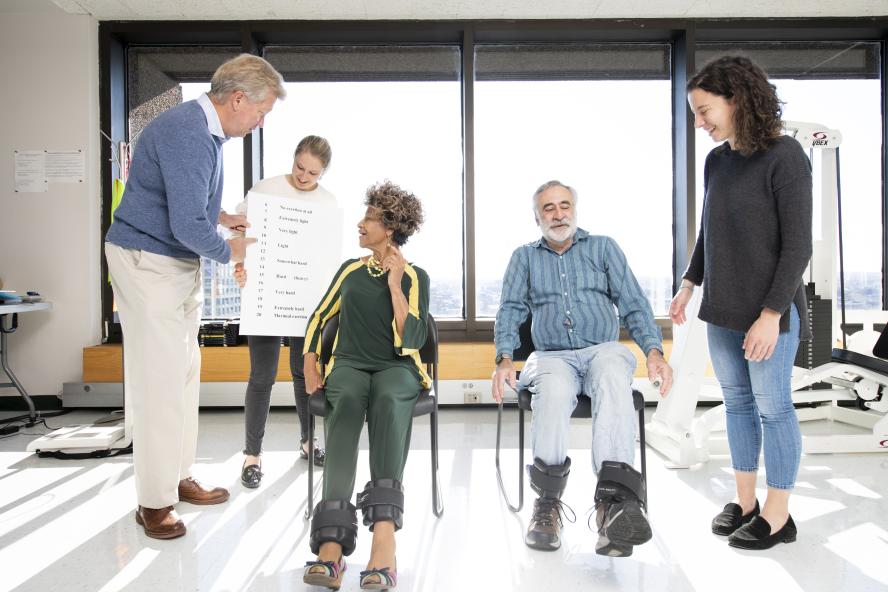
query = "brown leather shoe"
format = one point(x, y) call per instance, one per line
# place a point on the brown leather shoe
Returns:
point(194, 493)
point(544, 529)
point(160, 524)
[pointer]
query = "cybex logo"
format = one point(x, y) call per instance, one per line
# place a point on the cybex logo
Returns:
point(820, 139)
point(883, 444)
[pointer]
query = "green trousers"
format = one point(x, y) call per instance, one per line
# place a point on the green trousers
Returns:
point(386, 397)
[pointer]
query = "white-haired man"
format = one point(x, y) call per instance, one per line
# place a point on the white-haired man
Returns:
point(164, 225)
point(578, 289)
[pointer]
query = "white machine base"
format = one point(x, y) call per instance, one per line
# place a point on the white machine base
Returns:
point(83, 439)
point(686, 440)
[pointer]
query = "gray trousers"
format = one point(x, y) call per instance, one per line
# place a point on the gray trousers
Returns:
point(264, 354)
point(604, 372)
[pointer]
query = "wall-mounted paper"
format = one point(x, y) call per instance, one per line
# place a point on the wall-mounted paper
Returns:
point(30, 171)
point(65, 166)
point(298, 249)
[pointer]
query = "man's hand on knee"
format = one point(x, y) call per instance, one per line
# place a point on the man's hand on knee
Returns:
point(659, 369)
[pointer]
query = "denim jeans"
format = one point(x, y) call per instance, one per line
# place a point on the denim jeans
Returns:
point(604, 372)
point(758, 401)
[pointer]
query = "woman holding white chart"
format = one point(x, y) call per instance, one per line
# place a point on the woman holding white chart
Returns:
point(310, 161)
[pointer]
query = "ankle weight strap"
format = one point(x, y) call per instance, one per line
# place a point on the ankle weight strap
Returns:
point(549, 480)
point(382, 499)
point(334, 521)
point(619, 481)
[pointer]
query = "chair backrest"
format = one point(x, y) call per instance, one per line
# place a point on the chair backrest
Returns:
point(328, 336)
point(526, 347)
point(428, 354)
point(880, 350)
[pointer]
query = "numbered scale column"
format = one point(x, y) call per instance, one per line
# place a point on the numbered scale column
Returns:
point(262, 245)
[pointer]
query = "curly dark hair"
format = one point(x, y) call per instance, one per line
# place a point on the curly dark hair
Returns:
point(757, 109)
point(401, 211)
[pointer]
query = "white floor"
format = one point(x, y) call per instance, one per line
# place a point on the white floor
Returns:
point(68, 525)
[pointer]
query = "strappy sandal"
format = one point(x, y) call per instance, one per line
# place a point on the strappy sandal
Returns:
point(324, 573)
point(379, 579)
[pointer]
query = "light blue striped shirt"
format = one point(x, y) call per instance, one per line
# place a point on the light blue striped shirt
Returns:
point(575, 297)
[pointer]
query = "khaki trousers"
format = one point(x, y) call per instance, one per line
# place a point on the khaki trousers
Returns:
point(159, 301)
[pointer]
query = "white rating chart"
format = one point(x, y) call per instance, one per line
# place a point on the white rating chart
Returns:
point(289, 267)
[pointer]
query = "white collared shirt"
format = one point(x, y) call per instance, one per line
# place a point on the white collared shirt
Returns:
point(213, 121)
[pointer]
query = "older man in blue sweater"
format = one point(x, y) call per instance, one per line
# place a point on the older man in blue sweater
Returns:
point(164, 225)
point(578, 288)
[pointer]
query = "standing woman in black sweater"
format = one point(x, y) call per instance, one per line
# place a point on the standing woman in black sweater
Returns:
point(752, 250)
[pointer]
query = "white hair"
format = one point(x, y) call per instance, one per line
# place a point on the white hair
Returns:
point(249, 74)
point(548, 185)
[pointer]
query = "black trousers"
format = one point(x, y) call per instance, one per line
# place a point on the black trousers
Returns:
point(264, 354)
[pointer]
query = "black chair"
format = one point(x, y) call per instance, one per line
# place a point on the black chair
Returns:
point(426, 404)
point(583, 409)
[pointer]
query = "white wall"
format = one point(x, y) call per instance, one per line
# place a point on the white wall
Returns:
point(50, 242)
point(462, 9)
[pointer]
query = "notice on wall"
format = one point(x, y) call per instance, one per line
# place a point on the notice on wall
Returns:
point(65, 166)
point(30, 171)
point(36, 169)
point(298, 249)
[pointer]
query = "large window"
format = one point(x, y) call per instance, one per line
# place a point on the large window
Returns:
point(837, 85)
point(474, 116)
point(596, 117)
point(160, 78)
point(389, 113)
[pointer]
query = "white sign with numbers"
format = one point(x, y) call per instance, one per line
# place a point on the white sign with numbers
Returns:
point(298, 248)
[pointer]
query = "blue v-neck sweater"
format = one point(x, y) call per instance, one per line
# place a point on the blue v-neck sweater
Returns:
point(174, 191)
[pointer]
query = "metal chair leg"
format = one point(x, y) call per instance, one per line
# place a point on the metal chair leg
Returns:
point(437, 501)
point(643, 447)
point(309, 504)
point(643, 450)
point(499, 474)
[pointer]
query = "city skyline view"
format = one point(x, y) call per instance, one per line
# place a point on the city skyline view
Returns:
point(434, 172)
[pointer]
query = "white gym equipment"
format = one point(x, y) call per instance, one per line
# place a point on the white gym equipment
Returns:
point(90, 439)
point(107, 436)
point(686, 440)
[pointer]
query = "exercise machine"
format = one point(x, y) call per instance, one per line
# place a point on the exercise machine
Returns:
point(858, 393)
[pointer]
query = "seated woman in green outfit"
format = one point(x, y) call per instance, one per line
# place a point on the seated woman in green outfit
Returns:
point(375, 371)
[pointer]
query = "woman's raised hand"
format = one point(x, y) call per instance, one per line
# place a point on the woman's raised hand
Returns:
point(394, 263)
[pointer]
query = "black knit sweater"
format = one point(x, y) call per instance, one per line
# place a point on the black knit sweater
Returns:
point(755, 238)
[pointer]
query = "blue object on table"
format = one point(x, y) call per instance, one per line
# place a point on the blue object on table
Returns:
point(9, 298)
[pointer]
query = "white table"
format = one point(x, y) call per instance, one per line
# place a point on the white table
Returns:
point(14, 310)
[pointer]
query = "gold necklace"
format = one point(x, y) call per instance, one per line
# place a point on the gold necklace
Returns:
point(374, 267)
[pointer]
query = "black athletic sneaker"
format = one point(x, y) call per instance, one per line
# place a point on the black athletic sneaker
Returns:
point(621, 525)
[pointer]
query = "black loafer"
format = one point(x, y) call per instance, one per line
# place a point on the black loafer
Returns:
point(757, 535)
point(251, 476)
point(732, 518)
point(319, 454)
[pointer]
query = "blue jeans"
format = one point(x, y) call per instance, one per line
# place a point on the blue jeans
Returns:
point(758, 401)
point(604, 372)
